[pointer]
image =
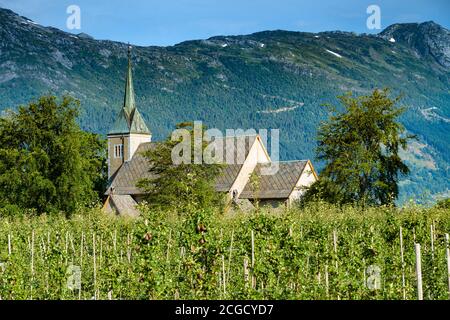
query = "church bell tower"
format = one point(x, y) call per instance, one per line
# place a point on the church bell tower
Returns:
point(129, 129)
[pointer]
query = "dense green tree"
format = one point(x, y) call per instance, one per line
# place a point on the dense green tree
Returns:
point(47, 163)
point(183, 186)
point(443, 204)
point(360, 147)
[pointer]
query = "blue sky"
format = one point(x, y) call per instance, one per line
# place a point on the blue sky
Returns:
point(167, 22)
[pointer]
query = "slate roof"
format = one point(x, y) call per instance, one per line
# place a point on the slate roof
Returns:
point(132, 171)
point(277, 186)
point(124, 205)
point(124, 182)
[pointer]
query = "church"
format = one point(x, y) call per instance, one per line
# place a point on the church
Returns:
point(130, 137)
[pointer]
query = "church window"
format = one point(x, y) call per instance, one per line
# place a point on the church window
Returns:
point(118, 151)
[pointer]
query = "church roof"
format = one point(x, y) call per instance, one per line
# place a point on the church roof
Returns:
point(275, 186)
point(129, 120)
point(121, 124)
point(124, 182)
point(124, 205)
point(132, 171)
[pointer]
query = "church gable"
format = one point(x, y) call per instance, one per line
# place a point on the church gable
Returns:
point(256, 154)
point(138, 125)
point(120, 126)
point(275, 186)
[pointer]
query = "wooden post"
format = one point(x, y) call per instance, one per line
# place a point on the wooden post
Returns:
point(67, 246)
point(223, 276)
point(73, 246)
point(419, 272)
point(42, 245)
point(403, 263)
point(128, 248)
point(246, 271)
point(81, 249)
point(168, 246)
point(334, 241)
point(32, 253)
point(432, 240)
point(95, 266)
point(9, 244)
point(448, 263)
point(81, 261)
point(67, 242)
point(335, 247)
point(115, 240)
point(32, 263)
point(253, 260)
point(326, 280)
point(229, 256)
point(101, 253)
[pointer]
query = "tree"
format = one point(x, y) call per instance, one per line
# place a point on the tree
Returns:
point(443, 204)
point(184, 186)
point(360, 148)
point(47, 163)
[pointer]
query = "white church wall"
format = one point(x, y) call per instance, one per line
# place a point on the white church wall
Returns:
point(307, 178)
point(255, 155)
point(135, 141)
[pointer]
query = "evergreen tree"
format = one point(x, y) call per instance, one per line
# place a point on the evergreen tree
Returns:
point(47, 163)
point(180, 187)
point(360, 147)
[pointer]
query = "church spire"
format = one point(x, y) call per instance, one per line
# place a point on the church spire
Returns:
point(129, 119)
point(129, 103)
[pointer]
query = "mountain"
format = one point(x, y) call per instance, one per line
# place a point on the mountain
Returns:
point(271, 79)
point(429, 40)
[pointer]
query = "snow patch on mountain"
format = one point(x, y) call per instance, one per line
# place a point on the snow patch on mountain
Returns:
point(334, 53)
point(284, 109)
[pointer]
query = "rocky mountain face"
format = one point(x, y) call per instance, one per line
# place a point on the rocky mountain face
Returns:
point(271, 79)
point(429, 40)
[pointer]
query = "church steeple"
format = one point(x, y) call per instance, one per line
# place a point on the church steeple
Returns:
point(129, 129)
point(129, 103)
point(129, 119)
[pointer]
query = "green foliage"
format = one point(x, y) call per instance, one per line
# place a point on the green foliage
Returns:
point(164, 256)
point(443, 204)
point(47, 163)
point(360, 147)
point(186, 186)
